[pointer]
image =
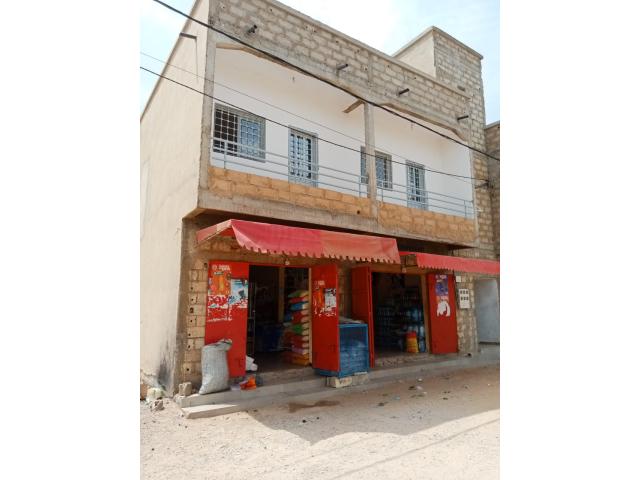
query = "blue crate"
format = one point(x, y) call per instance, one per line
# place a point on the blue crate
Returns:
point(354, 351)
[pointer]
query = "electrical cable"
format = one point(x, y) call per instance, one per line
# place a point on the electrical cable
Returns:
point(306, 72)
point(380, 148)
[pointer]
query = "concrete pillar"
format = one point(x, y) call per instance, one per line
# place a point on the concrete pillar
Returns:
point(207, 101)
point(370, 158)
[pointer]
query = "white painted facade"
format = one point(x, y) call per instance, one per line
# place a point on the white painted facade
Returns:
point(294, 100)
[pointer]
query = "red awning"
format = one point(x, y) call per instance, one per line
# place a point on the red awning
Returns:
point(307, 242)
point(459, 264)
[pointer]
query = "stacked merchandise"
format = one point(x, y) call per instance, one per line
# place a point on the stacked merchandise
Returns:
point(297, 335)
point(400, 314)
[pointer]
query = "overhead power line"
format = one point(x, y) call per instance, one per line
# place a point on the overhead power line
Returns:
point(380, 148)
point(306, 72)
point(287, 126)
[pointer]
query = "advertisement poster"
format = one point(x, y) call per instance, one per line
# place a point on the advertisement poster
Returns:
point(442, 296)
point(318, 296)
point(239, 297)
point(329, 300)
point(219, 290)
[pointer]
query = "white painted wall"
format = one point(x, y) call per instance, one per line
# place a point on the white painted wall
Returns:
point(285, 89)
point(169, 165)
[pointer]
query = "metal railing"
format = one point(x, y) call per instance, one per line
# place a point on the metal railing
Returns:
point(251, 159)
point(424, 199)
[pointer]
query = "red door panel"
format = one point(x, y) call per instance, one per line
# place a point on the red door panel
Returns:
point(443, 327)
point(325, 336)
point(226, 315)
point(361, 302)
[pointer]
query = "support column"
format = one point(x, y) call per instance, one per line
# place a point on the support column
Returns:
point(370, 157)
point(207, 102)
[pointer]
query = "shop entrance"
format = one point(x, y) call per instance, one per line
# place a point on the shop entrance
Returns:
point(398, 314)
point(275, 295)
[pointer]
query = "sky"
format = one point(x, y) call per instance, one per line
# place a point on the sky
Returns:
point(386, 25)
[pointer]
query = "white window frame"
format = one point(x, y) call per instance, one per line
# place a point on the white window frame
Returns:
point(385, 183)
point(313, 163)
point(412, 189)
point(237, 148)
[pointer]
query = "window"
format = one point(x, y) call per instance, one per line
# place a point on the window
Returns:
point(384, 177)
point(239, 133)
point(416, 191)
point(303, 157)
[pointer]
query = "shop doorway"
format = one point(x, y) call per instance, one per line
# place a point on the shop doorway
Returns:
point(398, 310)
point(275, 295)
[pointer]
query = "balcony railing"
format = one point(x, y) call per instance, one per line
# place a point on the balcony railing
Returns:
point(249, 159)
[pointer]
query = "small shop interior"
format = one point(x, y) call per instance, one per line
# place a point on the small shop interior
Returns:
point(278, 321)
point(397, 314)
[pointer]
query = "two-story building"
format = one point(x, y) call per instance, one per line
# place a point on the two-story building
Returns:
point(292, 163)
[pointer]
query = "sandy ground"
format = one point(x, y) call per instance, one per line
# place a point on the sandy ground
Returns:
point(452, 432)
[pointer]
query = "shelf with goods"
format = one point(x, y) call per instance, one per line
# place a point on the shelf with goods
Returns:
point(297, 335)
point(401, 312)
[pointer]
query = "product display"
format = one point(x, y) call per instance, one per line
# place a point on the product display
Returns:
point(297, 335)
point(397, 313)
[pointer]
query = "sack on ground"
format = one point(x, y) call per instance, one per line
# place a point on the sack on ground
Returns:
point(215, 371)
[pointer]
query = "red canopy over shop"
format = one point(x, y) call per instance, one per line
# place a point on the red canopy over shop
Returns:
point(459, 264)
point(295, 241)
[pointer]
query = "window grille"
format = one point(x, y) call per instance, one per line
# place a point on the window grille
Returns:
point(244, 133)
point(384, 176)
point(303, 157)
point(416, 190)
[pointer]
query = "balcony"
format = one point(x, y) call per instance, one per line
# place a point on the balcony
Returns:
point(241, 171)
point(250, 159)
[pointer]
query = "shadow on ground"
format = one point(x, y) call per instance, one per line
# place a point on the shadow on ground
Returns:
point(435, 400)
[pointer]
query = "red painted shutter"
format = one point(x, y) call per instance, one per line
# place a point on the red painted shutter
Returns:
point(443, 328)
point(361, 302)
point(227, 307)
point(324, 326)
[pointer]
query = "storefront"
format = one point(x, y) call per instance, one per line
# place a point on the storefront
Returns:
point(284, 313)
point(293, 312)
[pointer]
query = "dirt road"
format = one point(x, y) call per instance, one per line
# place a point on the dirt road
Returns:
point(452, 432)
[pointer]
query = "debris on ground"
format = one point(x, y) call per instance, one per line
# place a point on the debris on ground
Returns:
point(154, 393)
point(396, 397)
point(157, 405)
point(185, 389)
point(382, 404)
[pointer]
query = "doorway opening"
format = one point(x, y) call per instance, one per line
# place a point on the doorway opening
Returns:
point(398, 310)
point(270, 332)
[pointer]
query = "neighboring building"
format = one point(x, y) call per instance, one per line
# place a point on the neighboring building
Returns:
point(492, 135)
point(282, 148)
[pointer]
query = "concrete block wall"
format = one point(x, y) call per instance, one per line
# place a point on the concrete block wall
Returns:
point(492, 134)
point(460, 67)
point(392, 219)
point(467, 330)
point(318, 48)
